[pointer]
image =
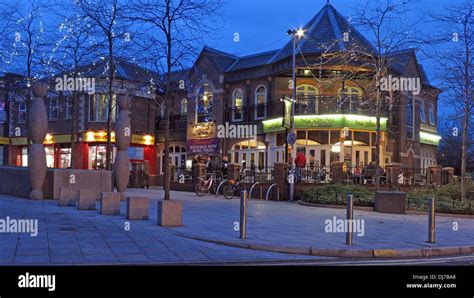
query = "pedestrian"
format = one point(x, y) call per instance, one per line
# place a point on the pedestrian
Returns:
point(225, 166)
point(300, 162)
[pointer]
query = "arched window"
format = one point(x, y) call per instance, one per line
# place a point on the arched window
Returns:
point(422, 111)
point(184, 106)
point(260, 102)
point(238, 105)
point(204, 103)
point(432, 114)
point(178, 157)
point(351, 100)
point(307, 100)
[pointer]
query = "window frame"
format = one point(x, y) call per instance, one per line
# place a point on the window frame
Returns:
point(257, 104)
point(422, 111)
point(98, 119)
point(54, 108)
point(234, 107)
point(204, 90)
point(431, 112)
point(22, 111)
point(184, 106)
point(69, 111)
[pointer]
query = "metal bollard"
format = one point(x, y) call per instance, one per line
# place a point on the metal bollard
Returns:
point(349, 217)
point(243, 214)
point(431, 220)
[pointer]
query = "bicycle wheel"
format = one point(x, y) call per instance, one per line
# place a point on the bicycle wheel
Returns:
point(200, 187)
point(228, 191)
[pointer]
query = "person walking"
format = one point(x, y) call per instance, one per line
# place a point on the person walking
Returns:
point(300, 162)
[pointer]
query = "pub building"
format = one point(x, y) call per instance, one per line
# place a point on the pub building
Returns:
point(333, 119)
point(91, 121)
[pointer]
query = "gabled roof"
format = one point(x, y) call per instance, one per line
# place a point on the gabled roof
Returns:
point(325, 33)
point(220, 59)
point(400, 61)
point(124, 70)
point(253, 60)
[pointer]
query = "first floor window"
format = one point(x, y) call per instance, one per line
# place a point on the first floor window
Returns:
point(432, 114)
point(260, 102)
point(53, 108)
point(184, 106)
point(204, 104)
point(21, 111)
point(68, 108)
point(99, 108)
point(238, 105)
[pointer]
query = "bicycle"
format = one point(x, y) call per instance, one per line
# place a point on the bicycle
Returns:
point(230, 188)
point(203, 186)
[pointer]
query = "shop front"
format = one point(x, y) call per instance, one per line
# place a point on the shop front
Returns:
point(324, 139)
point(89, 151)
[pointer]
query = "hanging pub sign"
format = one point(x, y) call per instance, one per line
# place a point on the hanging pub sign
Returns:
point(287, 112)
point(203, 146)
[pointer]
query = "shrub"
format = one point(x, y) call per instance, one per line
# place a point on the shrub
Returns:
point(335, 194)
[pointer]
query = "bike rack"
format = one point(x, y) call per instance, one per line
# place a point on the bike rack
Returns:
point(219, 187)
point(251, 189)
point(270, 188)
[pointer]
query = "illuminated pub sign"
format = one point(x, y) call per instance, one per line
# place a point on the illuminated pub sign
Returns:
point(429, 138)
point(327, 121)
point(101, 137)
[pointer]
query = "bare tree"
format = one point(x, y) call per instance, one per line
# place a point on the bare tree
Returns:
point(106, 16)
point(177, 28)
point(383, 22)
point(454, 53)
point(77, 49)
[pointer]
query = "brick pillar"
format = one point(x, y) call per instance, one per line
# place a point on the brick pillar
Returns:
point(199, 170)
point(434, 175)
point(393, 170)
point(447, 175)
point(233, 171)
point(337, 171)
point(281, 178)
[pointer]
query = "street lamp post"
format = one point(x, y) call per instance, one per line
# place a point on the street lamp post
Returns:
point(291, 189)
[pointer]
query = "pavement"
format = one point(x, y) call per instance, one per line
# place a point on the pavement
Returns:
point(67, 236)
point(276, 232)
point(292, 228)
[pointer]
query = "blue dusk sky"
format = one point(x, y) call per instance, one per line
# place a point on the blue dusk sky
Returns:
point(262, 24)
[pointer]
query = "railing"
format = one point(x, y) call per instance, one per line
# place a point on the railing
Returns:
point(178, 121)
point(248, 113)
point(318, 105)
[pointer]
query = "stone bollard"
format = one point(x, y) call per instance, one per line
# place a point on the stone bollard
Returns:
point(110, 203)
point(38, 128)
point(138, 208)
point(87, 199)
point(170, 213)
point(123, 136)
point(68, 196)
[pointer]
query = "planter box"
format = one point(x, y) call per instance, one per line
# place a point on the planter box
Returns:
point(390, 202)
